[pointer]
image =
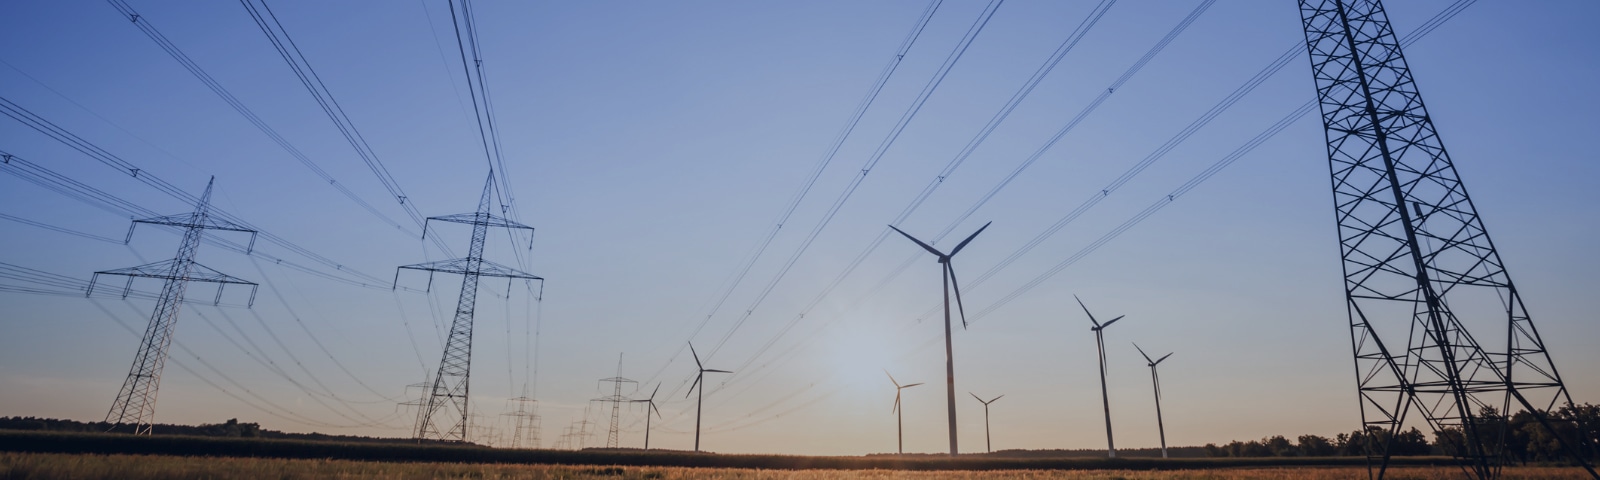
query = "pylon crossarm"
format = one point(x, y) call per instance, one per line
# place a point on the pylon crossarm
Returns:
point(462, 266)
point(488, 219)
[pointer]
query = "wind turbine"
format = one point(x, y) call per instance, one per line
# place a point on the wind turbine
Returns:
point(988, 442)
point(698, 381)
point(899, 424)
point(1100, 341)
point(949, 355)
point(1156, 381)
point(650, 406)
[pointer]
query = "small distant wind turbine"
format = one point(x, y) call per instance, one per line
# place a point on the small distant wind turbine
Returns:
point(699, 381)
point(650, 406)
point(899, 423)
point(949, 352)
point(1100, 341)
point(1156, 380)
point(988, 442)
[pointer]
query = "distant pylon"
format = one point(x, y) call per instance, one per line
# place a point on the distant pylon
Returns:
point(525, 422)
point(1419, 266)
point(450, 384)
point(135, 404)
point(616, 400)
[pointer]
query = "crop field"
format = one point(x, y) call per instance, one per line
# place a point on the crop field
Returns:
point(94, 466)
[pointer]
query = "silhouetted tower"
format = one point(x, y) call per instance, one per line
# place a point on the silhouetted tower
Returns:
point(988, 441)
point(1105, 395)
point(950, 285)
point(135, 405)
point(1155, 384)
point(446, 404)
point(526, 422)
point(616, 400)
point(650, 407)
point(1426, 291)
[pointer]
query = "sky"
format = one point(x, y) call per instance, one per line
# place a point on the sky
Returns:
point(655, 146)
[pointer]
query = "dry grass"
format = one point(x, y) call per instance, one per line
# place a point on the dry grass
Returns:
point(135, 467)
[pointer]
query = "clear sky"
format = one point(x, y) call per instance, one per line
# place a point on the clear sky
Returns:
point(655, 145)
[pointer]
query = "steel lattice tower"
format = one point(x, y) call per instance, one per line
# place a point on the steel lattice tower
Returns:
point(135, 405)
point(446, 404)
point(1421, 274)
point(527, 422)
point(616, 400)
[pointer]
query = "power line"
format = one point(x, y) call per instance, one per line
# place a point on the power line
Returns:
point(1423, 30)
point(143, 23)
point(872, 161)
point(816, 172)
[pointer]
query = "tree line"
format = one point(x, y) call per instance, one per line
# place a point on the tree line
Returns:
point(1525, 439)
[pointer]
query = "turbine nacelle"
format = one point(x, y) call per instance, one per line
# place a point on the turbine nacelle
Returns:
point(944, 260)
point(1097, 325)
point(1152, 363)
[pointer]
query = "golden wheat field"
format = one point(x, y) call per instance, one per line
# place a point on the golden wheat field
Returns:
point(137, 467)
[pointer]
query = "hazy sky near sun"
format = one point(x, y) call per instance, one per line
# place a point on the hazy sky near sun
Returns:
point(655, 144)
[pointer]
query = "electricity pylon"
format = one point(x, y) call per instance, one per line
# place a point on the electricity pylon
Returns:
point(446, 403)
point(135, 405)
point(1419, 266)
point(616, 400)
point(526, 422)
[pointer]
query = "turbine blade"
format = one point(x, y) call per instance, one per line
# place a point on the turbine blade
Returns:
point(1164, 357)
point(696, 356)
point(925, 246)
point(653, 392)
point(891, 379)
point(708, 370)
point(975, 396)
point(964, 243)
point(1114, 320)
point(657, 410)
point(896, 402)
point(911, 385)
point(1086, 312)
point(692, 385)
point(1141, 352)
point(992, 400)
point(950, 270)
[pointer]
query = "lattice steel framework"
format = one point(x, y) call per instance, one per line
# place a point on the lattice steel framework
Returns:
point(135, 405)
point(444, 413)
point(1421, 274)
point(616, 400)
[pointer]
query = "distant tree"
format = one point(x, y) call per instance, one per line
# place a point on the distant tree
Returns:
point(1410, 442)
point(1315, 446)
point(1279, 446)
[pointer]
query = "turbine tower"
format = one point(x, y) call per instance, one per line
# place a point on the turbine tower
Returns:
point(1105, 397)
point(444, 415)
point(699, 380)
point(899, 421)
point(949, 274)
point(1419, 265)
point(1155, 380)
point(616, 400)
point(987, 440)
point(135, 405)
point(650, 406)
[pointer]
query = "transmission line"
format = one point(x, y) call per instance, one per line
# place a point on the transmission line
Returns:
point(143, 24)
point(811, 179)
point(1423, 30)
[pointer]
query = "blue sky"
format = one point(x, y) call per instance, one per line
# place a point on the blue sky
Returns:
point(654, 145)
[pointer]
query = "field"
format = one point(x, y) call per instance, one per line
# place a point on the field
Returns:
point(135, 467)
point(25, 454)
